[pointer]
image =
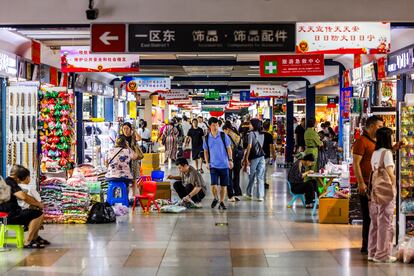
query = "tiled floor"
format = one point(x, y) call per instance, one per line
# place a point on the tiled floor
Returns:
point(250, 238)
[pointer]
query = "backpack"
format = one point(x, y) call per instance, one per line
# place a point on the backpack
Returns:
point(5, 191)
point(383, 189)
point(101, 213)
point(257, 150)
point(223, 138)
point(238, 151)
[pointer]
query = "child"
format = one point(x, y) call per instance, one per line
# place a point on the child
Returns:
point(31, 191)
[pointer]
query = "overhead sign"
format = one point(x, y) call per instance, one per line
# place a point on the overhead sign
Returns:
point(108, 38)
point(81, 59)
point(401, 61)
point(343, 37)
point(381, 68)
point(147, 84)
point(181, 102)
point(175, 94)
point(211, 37)
point(357, 76)
point(292, 65)
point(211, 95)
point(368, 72)
point(275, 91)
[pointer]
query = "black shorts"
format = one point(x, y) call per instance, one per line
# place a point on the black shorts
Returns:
point(24, 217)
point(197, 154)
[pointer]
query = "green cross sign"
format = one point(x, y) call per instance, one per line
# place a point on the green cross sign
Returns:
point(270, 67)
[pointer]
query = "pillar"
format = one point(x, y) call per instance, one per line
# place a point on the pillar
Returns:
point(148, 113)
point(310, 102)
point(109, 109)
point(3, 87)
point(290, 133)
point(79, 128)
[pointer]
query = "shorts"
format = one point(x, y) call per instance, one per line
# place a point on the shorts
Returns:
point(24, 217)
point(197, 154)
point(220, 174)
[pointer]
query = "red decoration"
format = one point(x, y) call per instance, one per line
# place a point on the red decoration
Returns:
point(381, 68)
point(216, 113)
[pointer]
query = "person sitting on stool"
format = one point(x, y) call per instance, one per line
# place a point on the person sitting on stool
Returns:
point(297, 175)
point(190, 184)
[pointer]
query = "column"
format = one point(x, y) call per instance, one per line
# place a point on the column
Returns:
point(109, 109)
point(3, 87)
point(290, 133)
point(310, 102)
point(79, 128)
point(148, 113)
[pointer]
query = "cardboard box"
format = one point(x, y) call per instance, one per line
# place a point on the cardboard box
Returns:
point(334, 210)
point(151, 160)
point(147, 172)
point(163, 190)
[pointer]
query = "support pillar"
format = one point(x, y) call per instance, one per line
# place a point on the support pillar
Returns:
point(148, 113)
point(310, 102)
point(109, 109)
point(290, 136)
point(79, 128)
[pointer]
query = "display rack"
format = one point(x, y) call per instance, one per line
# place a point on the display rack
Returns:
point(21, 124)
point(406, 171)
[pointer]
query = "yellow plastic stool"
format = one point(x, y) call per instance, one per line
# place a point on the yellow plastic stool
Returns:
point(18, 239)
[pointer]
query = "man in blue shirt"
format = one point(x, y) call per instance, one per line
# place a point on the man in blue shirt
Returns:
point(218, 155)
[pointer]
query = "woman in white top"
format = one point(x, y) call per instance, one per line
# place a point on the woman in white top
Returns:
point(381, 231)
point(145, 136)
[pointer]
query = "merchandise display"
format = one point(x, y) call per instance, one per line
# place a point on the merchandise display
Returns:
point(56, 128)
point(51, 194)
point(22, 126)
point(406, 170)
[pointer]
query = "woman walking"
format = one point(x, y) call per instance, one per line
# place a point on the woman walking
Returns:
point(170, 136)
point(312, 142)
point(381, 207)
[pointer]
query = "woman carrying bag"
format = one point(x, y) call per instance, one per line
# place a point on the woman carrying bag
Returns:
point(381, 206)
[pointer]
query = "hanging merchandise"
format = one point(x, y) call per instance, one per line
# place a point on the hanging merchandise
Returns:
point(56, 128)
point(21, 126)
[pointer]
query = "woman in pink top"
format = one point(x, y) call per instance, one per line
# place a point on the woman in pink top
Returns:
point(118, 161)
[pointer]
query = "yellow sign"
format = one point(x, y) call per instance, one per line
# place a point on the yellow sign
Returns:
point(132, 110)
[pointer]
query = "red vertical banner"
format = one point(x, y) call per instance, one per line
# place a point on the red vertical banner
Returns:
point(36, 52)
point(381, 68)
point(347, 78)
point(64, 80)
point(53, 76)
point(357, 60)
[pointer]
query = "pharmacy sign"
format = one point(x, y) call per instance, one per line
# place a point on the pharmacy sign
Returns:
point(292, 65)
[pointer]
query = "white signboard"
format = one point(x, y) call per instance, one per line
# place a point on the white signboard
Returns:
point(181, 102)
point(258, 90)
point(357, 76)
point(8, 65)
point(343, 37)
point(175, 94)
point(368, 72)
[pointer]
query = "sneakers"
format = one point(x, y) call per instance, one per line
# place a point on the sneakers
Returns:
point(233, 199)
point(390, 260)
point(222, 206)
point(370, 259)
point(248, 197)
point(260, 199)
point(214, 203)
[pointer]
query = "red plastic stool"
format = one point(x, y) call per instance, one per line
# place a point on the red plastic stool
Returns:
point(149, 189)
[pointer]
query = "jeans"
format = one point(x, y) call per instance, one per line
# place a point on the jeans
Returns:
point(257, 170)
point(234, 183)
point(183, 191)
point(381, 231)
point(366, 221)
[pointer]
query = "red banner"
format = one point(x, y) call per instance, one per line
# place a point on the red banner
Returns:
point(381, 68)
point(36, 53)
point(357, 60)
point(347, 78)
point(292, 65)
point(53, 76)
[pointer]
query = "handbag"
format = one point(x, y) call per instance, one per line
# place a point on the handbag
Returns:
point(383, 189)
point(140, 154)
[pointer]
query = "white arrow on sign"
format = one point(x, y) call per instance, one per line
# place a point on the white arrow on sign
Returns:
point(106, 38)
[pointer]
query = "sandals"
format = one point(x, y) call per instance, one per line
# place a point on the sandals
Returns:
point(42, 241)
point(34, 245)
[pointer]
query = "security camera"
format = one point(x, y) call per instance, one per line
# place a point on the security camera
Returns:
point(91, 13)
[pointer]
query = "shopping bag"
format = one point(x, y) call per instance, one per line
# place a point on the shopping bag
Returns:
point(101, 213)
point(187, 154)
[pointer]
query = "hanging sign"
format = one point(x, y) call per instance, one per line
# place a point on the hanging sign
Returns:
point(81, 59)
point(275, 91)
point(347, 78)
point(211, 95)
point(331, 102)
point(368, 72)
point(36, 52)
point(381, 68)
point(343, 37)
point(181, 102)
point(8, 65)
point(292, 65)
point(175, 94)
point(357, 60)
point(357, 76)
point(401, 61)
point(345, 102)
point(147, 84)
point(273, 37)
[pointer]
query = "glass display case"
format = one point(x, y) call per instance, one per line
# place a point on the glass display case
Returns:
point(406, 171)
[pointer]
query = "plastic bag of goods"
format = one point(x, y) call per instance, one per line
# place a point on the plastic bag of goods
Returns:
point(409, 252)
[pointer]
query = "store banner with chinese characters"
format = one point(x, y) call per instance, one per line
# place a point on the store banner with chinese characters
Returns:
point(368, 72)
point(273, 91)
point(343, 37)
point(292, 65)
point(347, 78)
point(357, 76)
point(175, 94)
point(381, 68)
point(401, 61)
point(181, 102)
point(81, 59)
point(147, 84)
point(269, 37)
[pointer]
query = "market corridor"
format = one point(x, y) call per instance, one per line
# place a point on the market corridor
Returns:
point(250, 238)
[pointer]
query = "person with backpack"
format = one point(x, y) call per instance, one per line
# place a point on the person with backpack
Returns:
point(255, 158)
point(234, 190)
point(381, 207)
point(269, 149)
point(219, 160)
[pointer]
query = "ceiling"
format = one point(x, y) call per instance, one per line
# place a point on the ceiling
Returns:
point(234, 70)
